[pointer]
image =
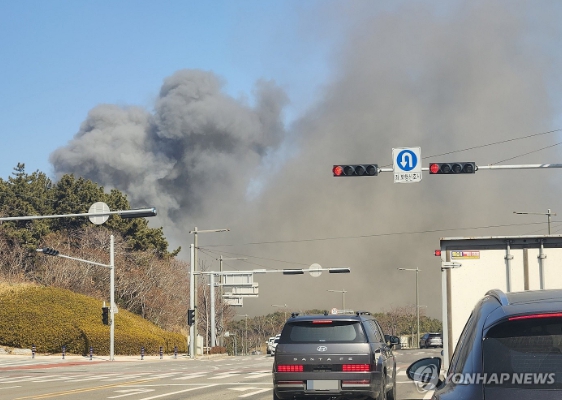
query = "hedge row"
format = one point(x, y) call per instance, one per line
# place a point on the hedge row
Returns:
point(50, 318)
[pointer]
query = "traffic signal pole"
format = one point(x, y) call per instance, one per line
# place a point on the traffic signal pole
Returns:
point(192, 337)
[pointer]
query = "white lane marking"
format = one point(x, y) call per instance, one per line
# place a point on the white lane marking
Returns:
point(10, 380)
point(223, 375)
point(428, 395)
point(10, 387)
point(130, 392)
point(180, 391)
point(93, 378)
point(191, 376)
point(122, 378)
point(257, 374)
point(256, 392)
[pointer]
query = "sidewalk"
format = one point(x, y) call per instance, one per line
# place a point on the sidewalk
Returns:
point(79, 358)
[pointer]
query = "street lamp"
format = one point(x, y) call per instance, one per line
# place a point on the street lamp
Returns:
point(111, 266)
point(98, 213)
point(548, 213)
point(136, 213)
point(417, 299)
point(193, 284)
point(343, 292)
point(281, 306)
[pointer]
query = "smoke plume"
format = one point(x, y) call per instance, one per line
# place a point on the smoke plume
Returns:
point(442, 78)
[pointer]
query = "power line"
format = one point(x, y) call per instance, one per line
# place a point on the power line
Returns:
point(529, 152)
point(376, 235)
point(493, 144)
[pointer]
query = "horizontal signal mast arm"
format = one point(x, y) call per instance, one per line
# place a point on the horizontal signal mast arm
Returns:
point(479, 167)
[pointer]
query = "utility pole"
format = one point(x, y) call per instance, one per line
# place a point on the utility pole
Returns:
point(221, 259)
point(549, 213)
point(417, 300)
point(245, 334)
point(195, 260)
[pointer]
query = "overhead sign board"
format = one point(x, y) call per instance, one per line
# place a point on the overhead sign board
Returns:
point(406, 164)
point(238, 279)
point(235, 301)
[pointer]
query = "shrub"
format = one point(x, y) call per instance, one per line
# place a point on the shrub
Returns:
point(49, 318)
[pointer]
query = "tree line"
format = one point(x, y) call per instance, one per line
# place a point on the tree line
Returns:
point(149, 279)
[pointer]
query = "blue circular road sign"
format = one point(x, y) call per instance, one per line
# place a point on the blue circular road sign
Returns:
point(406, 160)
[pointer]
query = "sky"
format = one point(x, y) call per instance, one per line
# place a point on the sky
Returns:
point(230, 114)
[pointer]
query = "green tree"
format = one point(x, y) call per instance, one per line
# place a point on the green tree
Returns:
point(21, 195)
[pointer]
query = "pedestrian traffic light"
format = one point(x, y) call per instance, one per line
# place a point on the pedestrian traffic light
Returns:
point(355, 170)
point(50, 252)
point(452, 168)
point(190, 317)
point(105, 315)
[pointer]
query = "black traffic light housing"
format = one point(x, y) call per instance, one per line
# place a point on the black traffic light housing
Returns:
point(105, 315)
point(49, 251)
point(345, 170)
point(452, 168)
point(190, 317)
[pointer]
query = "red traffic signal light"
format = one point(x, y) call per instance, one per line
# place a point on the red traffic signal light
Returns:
point(355, 170)
point(452, 168)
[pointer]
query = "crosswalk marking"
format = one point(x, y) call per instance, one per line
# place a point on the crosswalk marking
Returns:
point(191, 376)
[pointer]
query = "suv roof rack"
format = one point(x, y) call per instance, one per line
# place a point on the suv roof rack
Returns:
point(358, 313)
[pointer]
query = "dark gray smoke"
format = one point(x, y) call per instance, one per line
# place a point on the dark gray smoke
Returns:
point(442, 78)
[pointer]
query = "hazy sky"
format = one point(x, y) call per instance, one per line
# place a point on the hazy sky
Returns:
point(230, 114)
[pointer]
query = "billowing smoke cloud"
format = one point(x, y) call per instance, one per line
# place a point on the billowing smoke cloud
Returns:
point(417, 75)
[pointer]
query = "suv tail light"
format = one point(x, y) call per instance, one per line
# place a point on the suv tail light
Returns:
point(533, 316)
point(355, 367)
point(290, 368)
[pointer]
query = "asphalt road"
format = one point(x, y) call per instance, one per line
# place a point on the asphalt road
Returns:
point(130, 378)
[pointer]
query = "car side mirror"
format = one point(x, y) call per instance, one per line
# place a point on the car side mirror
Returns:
point(392, 340)
point(425, 372)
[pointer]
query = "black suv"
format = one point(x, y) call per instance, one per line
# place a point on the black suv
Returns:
point(510, 348)
point(334, 356)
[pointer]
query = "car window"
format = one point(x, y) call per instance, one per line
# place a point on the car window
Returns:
point(373, 332)
point(324, 332)
point(379, 329)
point(464, 345)
point(526, 346)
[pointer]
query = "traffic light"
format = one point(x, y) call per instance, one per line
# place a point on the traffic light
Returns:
point(190, 317)
point(356, 170)
point(50, 252)
point(452, 168)
point(105, 315)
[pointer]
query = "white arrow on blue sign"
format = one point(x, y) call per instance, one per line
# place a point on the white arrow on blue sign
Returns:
point(406, 164)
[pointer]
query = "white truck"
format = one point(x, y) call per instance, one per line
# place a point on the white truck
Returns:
point(470, 266)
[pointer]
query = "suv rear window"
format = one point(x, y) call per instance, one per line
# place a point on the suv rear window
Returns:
point(323, 331)
point(521, 346)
